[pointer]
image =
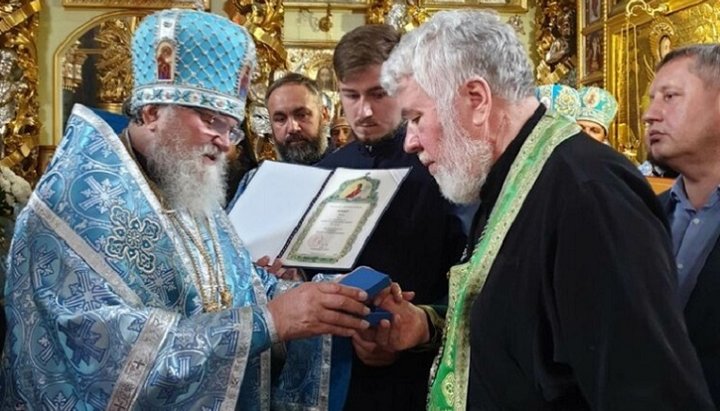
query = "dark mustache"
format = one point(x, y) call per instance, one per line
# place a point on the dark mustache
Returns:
point(295, 137)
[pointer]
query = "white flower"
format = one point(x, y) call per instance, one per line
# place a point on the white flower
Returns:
point(21, 190)
point(15, 189)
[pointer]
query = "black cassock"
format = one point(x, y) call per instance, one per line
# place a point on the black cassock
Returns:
point(578, 309)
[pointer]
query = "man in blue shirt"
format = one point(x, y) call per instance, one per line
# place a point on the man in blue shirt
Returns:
point(682, 132)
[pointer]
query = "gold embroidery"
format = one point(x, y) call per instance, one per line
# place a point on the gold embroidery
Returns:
point(448, 388)
point(214, 292)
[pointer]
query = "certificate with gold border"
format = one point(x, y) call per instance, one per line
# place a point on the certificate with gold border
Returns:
point(312, 217)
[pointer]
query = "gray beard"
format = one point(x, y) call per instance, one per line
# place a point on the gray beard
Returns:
point(465, 165)
point(303, 151)
point(184, 180)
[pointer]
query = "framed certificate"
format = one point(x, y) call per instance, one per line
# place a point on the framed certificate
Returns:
point(312, 217)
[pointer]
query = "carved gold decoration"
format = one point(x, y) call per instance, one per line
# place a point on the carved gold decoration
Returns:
point(108, 79)
point(72, 63)
point(403, 15)
point(325, 23)
point(418, 15)
point(14, 12)
point(633, 7)
point(19, 107)
point(555, 41)
point(661, 36)
point(264, 20)
point(707, 18)
point(138, 4)
point(505, 6)
point(630, 135)
point(637, 41)
point(114, 69)
point(315, 23)
point(517, 24)
point(377, 11)
point(316, 62)
point(322, 4)
point(630, 129)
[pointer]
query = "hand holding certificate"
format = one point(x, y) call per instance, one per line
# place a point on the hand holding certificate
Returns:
point(311, 217)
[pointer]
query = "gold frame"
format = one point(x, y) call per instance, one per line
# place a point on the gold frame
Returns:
point(584, 76)
point(618, 7)
point(583, 32)
point(320, 55)
point(514, 6)
point(129, 4)
point(297, 44)
point(583, 24)
point(320, 46)
point(57, 99)
point(311, 5)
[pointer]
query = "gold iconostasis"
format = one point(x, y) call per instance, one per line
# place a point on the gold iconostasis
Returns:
point(55, 53)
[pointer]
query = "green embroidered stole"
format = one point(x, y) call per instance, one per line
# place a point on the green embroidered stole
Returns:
point(449, 377)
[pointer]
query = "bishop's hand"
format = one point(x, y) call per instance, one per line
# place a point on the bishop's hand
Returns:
point(319, 308)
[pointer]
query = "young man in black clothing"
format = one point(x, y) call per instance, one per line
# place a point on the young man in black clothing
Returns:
point(417, 239)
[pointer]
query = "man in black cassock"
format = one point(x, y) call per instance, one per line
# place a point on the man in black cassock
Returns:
point(566, 301)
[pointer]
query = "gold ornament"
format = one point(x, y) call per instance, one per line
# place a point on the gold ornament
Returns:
point(555, 40)
point(212, 288)
point(114, 68)
point(264, 20)
point(403, 15)
point(20, 125)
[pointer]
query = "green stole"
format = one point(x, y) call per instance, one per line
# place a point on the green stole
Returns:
point(449, 377)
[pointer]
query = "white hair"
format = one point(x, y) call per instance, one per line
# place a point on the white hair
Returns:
point(455, 46)
point(462, 164)
point(179, 172)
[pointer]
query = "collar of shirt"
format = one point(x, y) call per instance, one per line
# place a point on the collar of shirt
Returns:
point(385, 144)
point(679, 197)
point(694, 234)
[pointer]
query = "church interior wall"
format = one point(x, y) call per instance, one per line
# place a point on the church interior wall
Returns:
point(59, 24)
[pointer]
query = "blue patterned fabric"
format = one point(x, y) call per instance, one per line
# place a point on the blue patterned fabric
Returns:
point(597, 105)
point(103, 312)
point(559, 98)
point(192, 58)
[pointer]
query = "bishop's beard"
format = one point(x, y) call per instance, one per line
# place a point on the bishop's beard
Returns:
point(185, 181)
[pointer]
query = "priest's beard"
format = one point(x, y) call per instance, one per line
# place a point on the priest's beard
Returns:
point(179, 172)
point(462, 164)
point(300, 149)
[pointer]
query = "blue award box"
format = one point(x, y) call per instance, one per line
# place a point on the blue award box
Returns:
point(369, 280)
point(376, 315)
point(372, 282)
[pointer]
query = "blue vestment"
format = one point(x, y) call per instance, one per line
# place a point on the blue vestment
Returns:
point(103, 307)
